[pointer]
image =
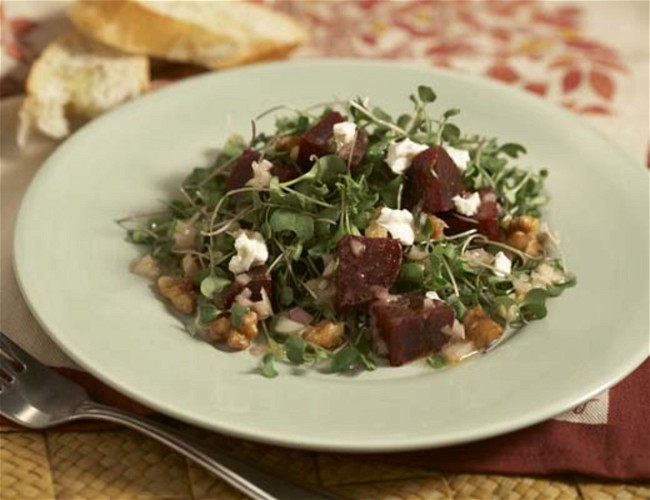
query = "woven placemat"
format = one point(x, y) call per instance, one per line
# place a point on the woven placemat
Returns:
point(125, 465)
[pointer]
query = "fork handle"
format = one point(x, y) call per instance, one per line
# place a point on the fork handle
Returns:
point(242, 476)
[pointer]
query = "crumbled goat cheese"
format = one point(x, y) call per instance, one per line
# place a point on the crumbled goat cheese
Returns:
point(261, 174)
point(432, 295)
point(399, 223)
point(460, 157)
point(467, 206)
point(400, 154)
point(502, 265)
point(251, 252)
point(344, 133)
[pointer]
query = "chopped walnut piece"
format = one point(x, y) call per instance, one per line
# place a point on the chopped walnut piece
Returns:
point(374, 230)
point(522, 235)
point(190, 265)
point(222, 329)
point(147, 266)
point(525, 243)
point(218, 329)
point(518, 240)
point(237, 340)
point(179, 291)
point(480, 327)
point(524, 223)
point(438, 227)
point(327, 334)
point(248, 325)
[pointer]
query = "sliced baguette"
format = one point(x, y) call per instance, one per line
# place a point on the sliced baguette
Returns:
point(77, 76)
point(215, 34)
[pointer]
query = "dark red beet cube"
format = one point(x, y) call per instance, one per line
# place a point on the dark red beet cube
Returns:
point(242, 170)
point(409, 327)
point(284, 173)
point(359, 151)
point(318, 140)
point(366, 265)
point(432, 181)
point(485, 220)
point(260, 278)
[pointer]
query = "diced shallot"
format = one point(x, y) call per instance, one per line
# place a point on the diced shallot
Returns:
point(456, 351)
point(293, 322)
point(455, 331)
point(286, 326)
point(299, 315)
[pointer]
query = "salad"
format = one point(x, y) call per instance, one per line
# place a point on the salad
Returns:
point(348, 238)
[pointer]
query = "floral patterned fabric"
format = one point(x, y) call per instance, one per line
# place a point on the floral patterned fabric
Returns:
point(590, 57)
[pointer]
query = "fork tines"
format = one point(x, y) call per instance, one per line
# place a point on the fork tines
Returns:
point(13, 350)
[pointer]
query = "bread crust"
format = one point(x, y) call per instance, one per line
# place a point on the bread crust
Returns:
point(130, 26)
point(51, 97)
point(35, 73)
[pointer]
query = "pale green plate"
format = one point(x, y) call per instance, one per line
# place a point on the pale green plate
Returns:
point(72, 263)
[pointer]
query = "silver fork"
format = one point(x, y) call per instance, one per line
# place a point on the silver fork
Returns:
point(34, 396)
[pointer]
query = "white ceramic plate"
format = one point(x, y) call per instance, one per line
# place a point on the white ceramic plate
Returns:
point(72, 263)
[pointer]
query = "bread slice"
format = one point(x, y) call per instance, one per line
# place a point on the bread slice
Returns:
point(216, 34)
point(78, 76)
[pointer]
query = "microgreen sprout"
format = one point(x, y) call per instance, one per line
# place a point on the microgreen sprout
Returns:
point(302, 219)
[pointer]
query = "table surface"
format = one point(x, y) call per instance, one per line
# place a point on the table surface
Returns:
point(121, 464)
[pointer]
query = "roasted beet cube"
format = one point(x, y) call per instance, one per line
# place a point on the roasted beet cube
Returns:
point(359, 151)
point(318, 140)
point(432, 181)
point(242, 170)
point(284, 173)
point(485, 220)
point(256, 279)
point(366, 265)
point(409, 327)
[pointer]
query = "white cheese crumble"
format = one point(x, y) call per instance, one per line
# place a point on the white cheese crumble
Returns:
point(399, 223)
point(344, 133)
point(251, 252)
point(502, 265)
point(467, 206)
point(401, 154)
point(432, 295)
point(261, 174)
point(460, 156)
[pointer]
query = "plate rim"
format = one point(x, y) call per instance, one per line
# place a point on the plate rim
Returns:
point(295, 440)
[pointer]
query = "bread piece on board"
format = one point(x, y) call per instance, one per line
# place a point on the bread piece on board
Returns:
point(78, 76)
point(216, 34)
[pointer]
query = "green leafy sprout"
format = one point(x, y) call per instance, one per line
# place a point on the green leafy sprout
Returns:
point(303, 219)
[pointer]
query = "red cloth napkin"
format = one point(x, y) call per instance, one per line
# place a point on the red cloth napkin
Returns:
point(619, 449)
